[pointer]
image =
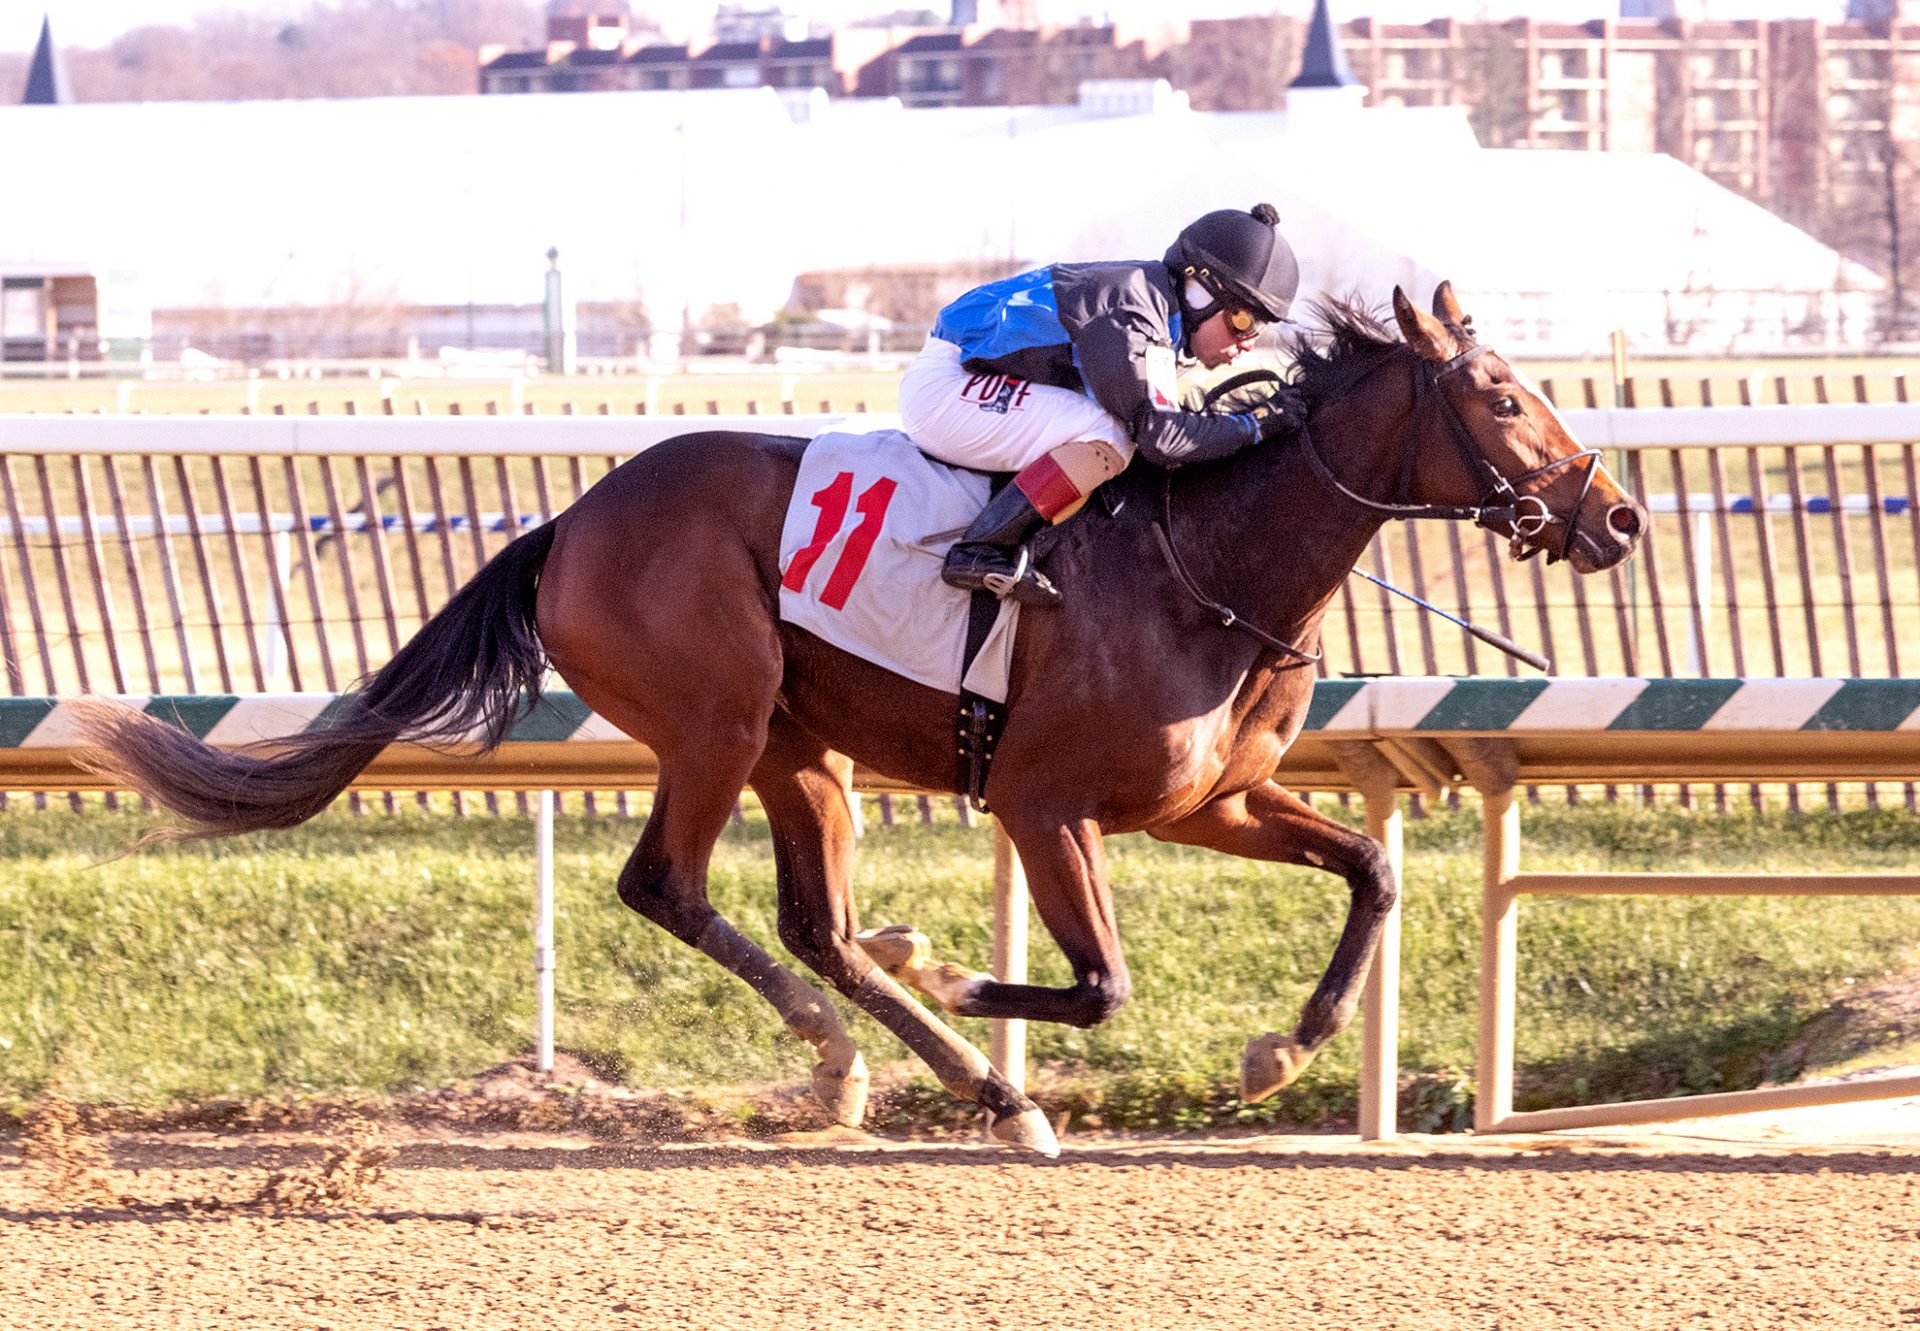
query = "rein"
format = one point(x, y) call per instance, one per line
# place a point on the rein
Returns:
point(1163, 532)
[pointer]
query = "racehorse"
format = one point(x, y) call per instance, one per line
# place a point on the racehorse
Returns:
point(1137, 706)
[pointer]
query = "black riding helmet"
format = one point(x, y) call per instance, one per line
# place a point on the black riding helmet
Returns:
point(1237, 258)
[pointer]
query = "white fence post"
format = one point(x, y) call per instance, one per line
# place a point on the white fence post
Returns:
point(1380, 1028)
point(1499, 951)
point(274, 626)
point(543, 935)
point(1007, 1038)
point(1703, 579)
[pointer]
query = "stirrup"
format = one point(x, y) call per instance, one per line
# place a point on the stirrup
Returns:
point(1016, 577)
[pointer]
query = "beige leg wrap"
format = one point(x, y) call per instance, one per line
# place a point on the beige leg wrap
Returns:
point(904, 953)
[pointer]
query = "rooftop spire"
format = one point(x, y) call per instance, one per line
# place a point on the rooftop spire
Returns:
point(1323, 64)
point(46, 77)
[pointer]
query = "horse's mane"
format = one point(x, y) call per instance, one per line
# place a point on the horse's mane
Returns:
point(1353, 336)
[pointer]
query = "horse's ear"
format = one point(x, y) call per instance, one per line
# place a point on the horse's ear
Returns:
point(1445, 308)
point(1424, 333)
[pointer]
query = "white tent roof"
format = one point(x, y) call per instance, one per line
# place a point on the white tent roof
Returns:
point(690, 200)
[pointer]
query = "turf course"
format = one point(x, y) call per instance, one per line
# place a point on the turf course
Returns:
point(386, 953)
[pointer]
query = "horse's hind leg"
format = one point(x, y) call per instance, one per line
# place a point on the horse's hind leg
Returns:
point(803, 787)
point(665, 879)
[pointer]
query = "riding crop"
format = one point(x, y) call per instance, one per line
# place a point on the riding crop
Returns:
point(1488, 636)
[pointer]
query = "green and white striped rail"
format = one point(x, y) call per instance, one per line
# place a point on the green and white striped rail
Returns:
point(1429, 732)
point(1549, 731)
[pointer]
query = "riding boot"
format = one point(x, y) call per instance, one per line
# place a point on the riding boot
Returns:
point(993, 553)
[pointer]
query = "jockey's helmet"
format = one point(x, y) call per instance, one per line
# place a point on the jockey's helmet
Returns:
point(1236, 259)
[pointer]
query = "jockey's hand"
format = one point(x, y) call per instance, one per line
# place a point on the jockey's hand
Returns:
point(1282, 415)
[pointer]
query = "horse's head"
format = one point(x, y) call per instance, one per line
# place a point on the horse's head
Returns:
point(1485, 440)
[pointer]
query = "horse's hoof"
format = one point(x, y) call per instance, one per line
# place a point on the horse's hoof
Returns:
point(840, 1084)
point(1026, 1131)
point(894, 947)
point(1271, 1063)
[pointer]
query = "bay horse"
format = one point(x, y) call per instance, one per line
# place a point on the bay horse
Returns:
point(1134, 707)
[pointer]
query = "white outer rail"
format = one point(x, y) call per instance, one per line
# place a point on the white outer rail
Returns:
point(403, 436)
point(383, 436)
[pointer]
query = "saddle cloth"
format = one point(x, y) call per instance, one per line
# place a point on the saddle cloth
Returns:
point(870, 522)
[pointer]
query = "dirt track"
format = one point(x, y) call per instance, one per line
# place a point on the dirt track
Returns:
point(530, 1232)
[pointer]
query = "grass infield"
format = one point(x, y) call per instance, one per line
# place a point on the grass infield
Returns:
point(379, 954)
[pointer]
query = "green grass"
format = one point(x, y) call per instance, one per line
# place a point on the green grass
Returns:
point(382, 954)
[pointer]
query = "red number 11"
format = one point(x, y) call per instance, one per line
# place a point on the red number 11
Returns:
point(831, 499)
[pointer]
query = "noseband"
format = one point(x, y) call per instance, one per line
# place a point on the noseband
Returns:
point(1523, 516)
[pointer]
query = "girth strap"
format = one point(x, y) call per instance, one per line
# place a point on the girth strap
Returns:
point(980, 720)
point(977, 725)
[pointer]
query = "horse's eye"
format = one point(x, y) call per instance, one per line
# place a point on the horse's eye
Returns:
point(1506, 406)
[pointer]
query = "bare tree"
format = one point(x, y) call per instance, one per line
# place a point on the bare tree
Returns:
point(1874, 183)
point(348, 48)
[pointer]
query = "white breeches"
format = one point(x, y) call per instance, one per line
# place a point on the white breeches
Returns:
point(994, 423)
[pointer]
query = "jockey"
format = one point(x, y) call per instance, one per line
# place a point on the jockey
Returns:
point(1060, 375)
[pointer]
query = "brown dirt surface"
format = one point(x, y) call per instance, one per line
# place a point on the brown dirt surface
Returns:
point(421, 1227)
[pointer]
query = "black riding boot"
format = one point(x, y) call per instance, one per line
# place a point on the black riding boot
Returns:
point(993, 552)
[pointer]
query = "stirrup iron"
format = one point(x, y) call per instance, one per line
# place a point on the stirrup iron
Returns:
point(980, 566)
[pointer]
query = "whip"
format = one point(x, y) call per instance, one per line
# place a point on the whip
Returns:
point(1488, 636)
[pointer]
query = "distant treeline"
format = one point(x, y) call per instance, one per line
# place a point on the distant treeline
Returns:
point(351, 48)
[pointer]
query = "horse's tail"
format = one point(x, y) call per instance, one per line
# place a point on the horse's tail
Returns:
point(471, 670)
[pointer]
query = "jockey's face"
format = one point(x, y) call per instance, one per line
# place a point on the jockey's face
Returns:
point(1216, 343)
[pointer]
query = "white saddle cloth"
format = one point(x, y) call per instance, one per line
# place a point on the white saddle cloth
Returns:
point(870, 522)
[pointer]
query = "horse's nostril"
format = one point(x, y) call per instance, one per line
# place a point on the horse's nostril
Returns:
point(1624, 520)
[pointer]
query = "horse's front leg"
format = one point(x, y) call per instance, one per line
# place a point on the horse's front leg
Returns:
point(1271, 823)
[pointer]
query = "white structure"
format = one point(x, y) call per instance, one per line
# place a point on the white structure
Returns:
point(688, 201)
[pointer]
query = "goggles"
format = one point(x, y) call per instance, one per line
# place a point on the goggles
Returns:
point(1244, 322)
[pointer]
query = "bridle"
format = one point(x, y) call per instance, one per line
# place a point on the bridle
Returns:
point(1500, 504)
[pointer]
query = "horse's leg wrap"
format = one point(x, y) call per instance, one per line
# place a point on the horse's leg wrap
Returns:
point(840, 1078)
point(904, 953)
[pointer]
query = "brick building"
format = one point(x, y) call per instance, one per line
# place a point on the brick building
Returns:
point(1819, 122)
point(922, 67)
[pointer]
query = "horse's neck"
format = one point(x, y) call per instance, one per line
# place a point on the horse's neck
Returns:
point(1266, 527)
